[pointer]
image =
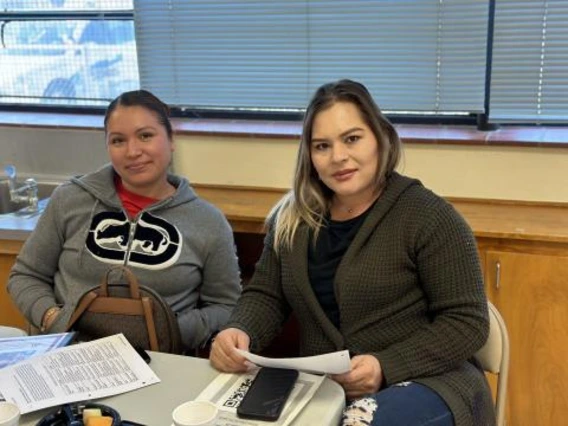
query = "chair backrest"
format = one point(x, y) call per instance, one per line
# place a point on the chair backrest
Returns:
point(494, 358)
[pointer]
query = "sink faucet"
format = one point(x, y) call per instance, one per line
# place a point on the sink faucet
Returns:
point(25, 193)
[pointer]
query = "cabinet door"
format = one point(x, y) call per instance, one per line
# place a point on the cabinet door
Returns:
point(531, 292)
point(9, 314)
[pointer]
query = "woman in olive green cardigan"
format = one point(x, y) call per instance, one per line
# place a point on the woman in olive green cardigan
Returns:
point(373, 262)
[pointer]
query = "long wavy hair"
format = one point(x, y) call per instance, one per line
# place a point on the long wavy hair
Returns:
point(309, 200)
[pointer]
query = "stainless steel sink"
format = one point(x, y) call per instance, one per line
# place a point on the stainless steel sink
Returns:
point(44, 190)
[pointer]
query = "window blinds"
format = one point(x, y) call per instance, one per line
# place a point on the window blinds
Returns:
point(530, 62)
point(414, 55)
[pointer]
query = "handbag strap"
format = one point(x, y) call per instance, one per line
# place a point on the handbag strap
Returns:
point(130, 277)
point(146, 303)
point(82, 307)
point(150, 325)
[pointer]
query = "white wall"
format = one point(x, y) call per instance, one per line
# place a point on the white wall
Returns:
point(51, 152)
point(509, 173)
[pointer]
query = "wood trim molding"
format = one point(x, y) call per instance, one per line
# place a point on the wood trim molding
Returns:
point(490, 201)
point(247, 207)
point(11, 247)
point(524, 222)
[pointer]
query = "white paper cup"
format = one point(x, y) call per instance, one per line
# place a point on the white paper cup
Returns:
point(195, 413)
point(9, 414)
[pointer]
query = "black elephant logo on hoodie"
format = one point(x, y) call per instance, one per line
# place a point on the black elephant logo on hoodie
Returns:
point(114, 233)
point(150, 242)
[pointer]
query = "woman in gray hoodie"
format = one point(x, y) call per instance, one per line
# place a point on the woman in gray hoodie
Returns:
point(131, 212)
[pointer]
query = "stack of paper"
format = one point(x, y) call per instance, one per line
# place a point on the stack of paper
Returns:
point(84, 371)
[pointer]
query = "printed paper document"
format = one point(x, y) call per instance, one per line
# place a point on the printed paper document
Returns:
point(332, 363)
point(84, 371)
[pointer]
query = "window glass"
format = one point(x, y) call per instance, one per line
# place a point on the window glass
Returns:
point(529, 80)
point(29, 5)
point(71, 62)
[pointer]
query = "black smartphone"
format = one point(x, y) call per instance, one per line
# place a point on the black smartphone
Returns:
point(267, 394)
point(145, 355)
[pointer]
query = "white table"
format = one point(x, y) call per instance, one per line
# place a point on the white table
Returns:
point(182, 379)
point(6, 331)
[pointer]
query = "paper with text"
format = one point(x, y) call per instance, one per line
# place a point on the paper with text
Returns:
point(84, 371)
point(331, 363)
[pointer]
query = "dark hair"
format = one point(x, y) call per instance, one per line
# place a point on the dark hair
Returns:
point(144, 99)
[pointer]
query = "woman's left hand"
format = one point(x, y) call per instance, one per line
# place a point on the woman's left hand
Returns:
point(365, 377)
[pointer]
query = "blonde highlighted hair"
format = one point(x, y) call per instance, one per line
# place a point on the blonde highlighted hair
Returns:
point(309, 200)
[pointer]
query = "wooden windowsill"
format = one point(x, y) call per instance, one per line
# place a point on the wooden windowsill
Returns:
point(537, 136)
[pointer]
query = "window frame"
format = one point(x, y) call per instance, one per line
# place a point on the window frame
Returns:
point(479, 120)
point(184, 112)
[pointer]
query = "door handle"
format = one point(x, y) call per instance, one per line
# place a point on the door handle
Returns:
point(497, 275)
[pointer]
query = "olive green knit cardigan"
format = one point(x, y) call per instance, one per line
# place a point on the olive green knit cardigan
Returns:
point(410, 292)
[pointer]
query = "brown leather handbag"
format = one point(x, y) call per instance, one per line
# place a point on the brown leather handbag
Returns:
point(136, 311)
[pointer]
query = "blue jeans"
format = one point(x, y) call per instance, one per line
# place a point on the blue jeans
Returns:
point(402, 404)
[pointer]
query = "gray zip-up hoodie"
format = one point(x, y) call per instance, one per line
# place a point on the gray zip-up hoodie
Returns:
point(182, 247)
